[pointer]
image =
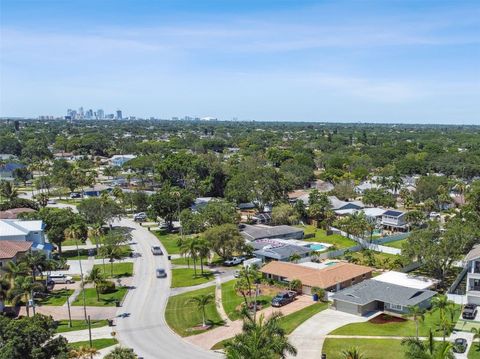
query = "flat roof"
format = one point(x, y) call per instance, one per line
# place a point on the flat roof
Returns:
point(406, 280)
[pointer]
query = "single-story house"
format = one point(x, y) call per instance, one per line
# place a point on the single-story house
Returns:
point(394, 220)
point(366, 185)
point(7, 169)
point(280, 253)
point(120, 160)
point(407, 280)
point(201, 202)
point(25, 231)
point(14, 212)
point(334, 276)
point(12, 251)
point(322, 186)
point(374, 295)
point(261, 231)
point(338, 205)
point(96, 190)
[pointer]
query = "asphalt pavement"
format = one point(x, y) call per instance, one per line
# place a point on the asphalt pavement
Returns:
point(143, 326)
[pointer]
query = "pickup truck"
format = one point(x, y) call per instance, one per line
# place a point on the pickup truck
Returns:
point(283, 298)
point(233, 261)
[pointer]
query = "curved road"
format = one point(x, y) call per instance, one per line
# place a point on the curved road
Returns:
point(145, 329)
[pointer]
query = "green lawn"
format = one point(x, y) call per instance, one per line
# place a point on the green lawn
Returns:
point(96, 343)
point(70, 243)
point(79, 325)
point(169, 241)
point(73, 254)
point(396, 244)
point(106, 300)
point(56, 297)
point(125, 251)
point(474, 352)
point(371, 348)
point(291, 321)
point(182, 316)
point(231, 300)
point(404, 329)
point(185, 261)
point(122, 269)
point(321, 236)
point(185, 277)
point(380, 260)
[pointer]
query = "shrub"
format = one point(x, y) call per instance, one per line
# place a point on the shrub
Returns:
point(106, 287)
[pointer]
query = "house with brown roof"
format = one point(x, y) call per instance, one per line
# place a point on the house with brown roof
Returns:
point(331, 276)
point(12, 251)
point(14, 212)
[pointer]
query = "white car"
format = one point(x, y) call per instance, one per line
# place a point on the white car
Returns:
point(61, 278)
point(160, 273)
point(140, 217)
point(157, 251)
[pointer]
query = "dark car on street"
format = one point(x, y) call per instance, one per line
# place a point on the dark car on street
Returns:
point(283, 298)
point(460, 345)
point(469, 311)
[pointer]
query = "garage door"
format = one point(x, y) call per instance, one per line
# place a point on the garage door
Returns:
point(346, 307)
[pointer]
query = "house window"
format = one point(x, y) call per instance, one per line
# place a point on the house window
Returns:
point(396, 307)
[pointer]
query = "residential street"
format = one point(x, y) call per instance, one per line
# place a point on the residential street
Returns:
point(145, 329)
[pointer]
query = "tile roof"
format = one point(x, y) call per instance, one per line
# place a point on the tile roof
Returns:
point(323, 278)
point(9, 249)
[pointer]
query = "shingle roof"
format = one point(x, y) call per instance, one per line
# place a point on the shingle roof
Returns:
point(252, 232)
point(323, 278)
point(371, 290)
point(473, 254)
point(13, 213)
point(9, 249)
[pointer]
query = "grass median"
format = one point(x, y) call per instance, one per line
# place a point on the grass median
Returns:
point(106, 300)
point(186, 277)
point(96, 343)
point(120, 269)
point(184, 316)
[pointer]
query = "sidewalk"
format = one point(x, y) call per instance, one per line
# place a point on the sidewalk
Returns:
point(82, 335)
point(59, 313)
point(208, 339)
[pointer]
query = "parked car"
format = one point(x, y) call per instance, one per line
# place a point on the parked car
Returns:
point(236, 274)
point(161, 273)
point(51, 201)
point(233, 261)
point(460, 345)
point(60, 278)
point(162, 225)
point(469, 311)
point(75, 195)
point(283, 298)
point(140, 217)
point(157, 251)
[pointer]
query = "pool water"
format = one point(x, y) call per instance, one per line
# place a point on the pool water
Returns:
point(317, 247)
point(330, 263)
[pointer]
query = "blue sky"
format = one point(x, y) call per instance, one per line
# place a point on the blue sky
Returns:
point(356, 61)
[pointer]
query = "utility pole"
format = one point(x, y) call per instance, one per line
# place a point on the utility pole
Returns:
point(90, 335)
point(69, 313)
point(81, 279)
point(32, 302)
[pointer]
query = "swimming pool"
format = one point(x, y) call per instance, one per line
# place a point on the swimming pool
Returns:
point(317, 247)
point(330, 263)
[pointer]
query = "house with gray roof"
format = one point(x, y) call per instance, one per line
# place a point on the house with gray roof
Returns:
point(281, 253)
point(373, 295)
point(394, 220)
point(472, 265)
point(260, 231)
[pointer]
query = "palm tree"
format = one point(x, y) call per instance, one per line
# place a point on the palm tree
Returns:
point(97, 278)
point(8, 191)
point(83, 352)
point(23, 290)
point(190, 247)
point(14, 270)
point(75, 233)
point(36, 261)
point(476, 335)
point(417, 314)
point(203, 248)
point(419, 349)
point(295, 257)
point(262, 339)
point(352, 353)
point(112, 252)
point(201, 302)
point(4, 290)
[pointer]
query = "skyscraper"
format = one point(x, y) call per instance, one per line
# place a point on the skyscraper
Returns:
point(119, 114)
point(100, 114)
point(80, 113)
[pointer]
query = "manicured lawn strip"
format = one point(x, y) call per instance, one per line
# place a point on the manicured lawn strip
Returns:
point(96, 343)
point(396, 244)
point(185, 261)
point(106, 300)
point(291, 321)
point(185, 277)
point(371, 348)
point(125, 251)
point(474, 351)
point(122, 269)
point(73, 254)
point(71, 243)
point(56, 297)
point(231, 300)
point(169, 241)
point(321, 236)
point(79, 325)
point(402, 329)
point(181, 315)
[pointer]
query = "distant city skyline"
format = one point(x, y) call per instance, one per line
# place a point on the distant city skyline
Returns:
point(320, 61)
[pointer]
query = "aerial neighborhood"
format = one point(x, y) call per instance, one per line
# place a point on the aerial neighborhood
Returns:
point(135, 239)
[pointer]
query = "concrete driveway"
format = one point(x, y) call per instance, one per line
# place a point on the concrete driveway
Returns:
point(308, 338)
